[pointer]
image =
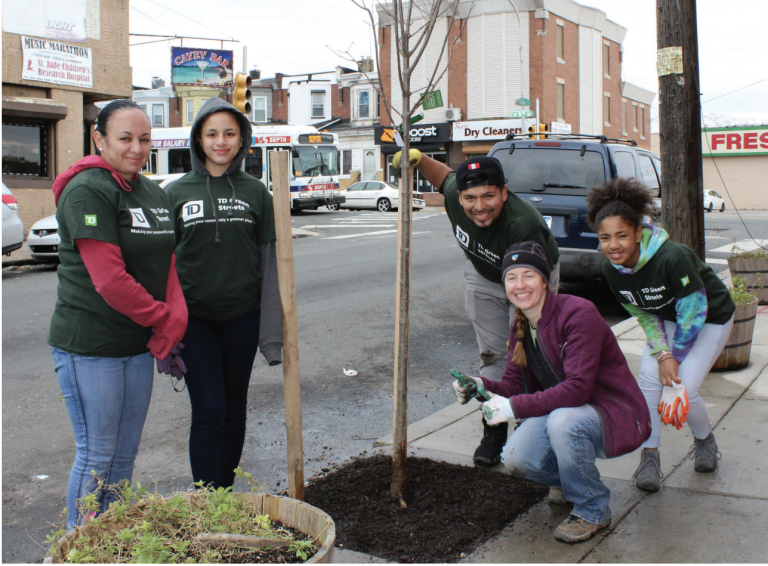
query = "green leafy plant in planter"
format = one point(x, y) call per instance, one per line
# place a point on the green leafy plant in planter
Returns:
point(199, 525)
point(741, 293)
point(751, 265)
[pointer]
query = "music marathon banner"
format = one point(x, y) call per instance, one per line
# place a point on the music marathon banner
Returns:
point(55, 62)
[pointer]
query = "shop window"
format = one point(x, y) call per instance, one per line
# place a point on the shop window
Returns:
point(318, 103)
point(25, 149)
point(158, 115)
point(259, 104)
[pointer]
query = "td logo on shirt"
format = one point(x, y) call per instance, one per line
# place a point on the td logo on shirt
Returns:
point(139, 220)
point(192, 209)
point(628, 295)
point(462, 237)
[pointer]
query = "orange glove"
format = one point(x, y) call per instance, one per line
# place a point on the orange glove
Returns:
point(673, 406)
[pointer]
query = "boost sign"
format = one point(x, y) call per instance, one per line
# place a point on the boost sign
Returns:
point(734, 141)
point(420, 133)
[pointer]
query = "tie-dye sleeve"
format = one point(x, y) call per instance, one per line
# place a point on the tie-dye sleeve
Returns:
point(691, 314)
point(653, 326)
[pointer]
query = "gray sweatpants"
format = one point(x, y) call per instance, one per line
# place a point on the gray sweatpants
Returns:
point(492, 316)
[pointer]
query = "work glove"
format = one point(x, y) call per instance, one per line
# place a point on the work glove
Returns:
point(673, 406)
point(466, 387)
point(414, 154)
point(173, 364)
point(497, 410)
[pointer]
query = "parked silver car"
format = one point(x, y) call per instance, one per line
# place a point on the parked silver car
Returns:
point(13, 229)
point(43, 239)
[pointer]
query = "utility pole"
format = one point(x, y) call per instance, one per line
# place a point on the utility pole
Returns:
point(680, 123)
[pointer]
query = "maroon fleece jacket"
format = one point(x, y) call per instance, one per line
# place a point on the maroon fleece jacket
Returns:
point(585, 356)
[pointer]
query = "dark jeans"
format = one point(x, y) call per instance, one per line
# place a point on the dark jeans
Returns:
point(219, 357)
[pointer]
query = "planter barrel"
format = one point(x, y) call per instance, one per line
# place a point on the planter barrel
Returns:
point(749, 269)
point(308, 519)
point(735, 355)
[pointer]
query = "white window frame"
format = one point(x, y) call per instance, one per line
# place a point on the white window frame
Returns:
point(607, 100)
point(634, 117)
point(313, 106)
point(190, 111)
point(360, 93)
point(641, 120)
point(560, 34)
point(254, 109)
point(607, 60)
point(154, 115)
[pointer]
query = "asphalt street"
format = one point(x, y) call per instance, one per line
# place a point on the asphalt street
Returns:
point(345, 281)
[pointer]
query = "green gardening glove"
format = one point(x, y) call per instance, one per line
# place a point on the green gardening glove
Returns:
point(415, 155)
point(466, 387)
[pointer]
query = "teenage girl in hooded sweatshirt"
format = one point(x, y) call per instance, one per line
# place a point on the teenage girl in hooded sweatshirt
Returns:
point(684, 308)
point(227, 265)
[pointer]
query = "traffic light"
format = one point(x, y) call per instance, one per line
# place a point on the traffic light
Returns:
point(543, 128)
point(241, 94)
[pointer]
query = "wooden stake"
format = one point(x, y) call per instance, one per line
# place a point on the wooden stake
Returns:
point(278, 162)
point(682, 192)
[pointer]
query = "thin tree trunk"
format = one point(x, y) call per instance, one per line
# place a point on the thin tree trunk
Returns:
point(680, 127)
point(399, 488)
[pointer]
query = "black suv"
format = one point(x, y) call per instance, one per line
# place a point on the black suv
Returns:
point(557, 171)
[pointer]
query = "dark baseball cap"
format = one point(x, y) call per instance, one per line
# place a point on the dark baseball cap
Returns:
point(478, 172)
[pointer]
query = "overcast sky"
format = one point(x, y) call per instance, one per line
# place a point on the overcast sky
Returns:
point(294, 37)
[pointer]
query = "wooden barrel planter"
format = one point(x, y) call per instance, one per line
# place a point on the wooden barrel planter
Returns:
point(735, 355)
point(750, 269)
point(293, 513)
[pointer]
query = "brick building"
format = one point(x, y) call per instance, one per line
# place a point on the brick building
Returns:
point(571, 64)
point(48, 121)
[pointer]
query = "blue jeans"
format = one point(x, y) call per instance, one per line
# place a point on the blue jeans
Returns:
point(559, 450)
point(219, 357)
point(107, 400)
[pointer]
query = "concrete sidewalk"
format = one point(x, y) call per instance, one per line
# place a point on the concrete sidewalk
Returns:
point(719, 517)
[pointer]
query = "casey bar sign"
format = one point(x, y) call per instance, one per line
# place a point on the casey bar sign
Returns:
point(720, 142)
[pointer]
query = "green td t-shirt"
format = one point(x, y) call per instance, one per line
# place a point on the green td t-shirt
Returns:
point(672, 273)
point(221, 281)
point(93, 206)
point(484, 247)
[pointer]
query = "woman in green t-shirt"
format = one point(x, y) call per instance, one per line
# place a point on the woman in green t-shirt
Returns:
point(119, 300)
point(684, 308)
point(227, 265)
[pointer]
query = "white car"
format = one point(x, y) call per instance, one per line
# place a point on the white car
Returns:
point(377, 195)
point(43, 240)
point(713, 201)
point(168, 181)
point(13, 229)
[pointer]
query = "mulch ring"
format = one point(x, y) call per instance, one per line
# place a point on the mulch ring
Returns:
point(451, 509)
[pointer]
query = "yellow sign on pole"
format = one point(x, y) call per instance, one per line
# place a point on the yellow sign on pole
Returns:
point(669, 61)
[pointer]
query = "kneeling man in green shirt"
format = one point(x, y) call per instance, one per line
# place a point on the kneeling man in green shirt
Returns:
point(486, 220)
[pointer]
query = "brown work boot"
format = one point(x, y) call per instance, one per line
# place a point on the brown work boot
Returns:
point(576, 529)
point(556, 496)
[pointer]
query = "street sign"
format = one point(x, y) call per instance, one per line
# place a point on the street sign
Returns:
point(523, 102)
point(522, 113)
point(517, 113)
point(433, 100)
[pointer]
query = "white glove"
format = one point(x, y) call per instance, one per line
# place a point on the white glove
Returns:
point(497, 410)
point(467, 392)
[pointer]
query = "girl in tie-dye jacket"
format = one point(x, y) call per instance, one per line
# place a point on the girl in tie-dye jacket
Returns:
point(682, 305)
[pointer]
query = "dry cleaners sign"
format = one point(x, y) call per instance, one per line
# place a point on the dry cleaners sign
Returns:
point(488, 129)
point(55, 62)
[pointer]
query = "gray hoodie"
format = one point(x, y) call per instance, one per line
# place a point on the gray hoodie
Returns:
point(271, 325)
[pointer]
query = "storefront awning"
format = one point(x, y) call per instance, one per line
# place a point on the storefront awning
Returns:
point(477, 148)
point(39, 108)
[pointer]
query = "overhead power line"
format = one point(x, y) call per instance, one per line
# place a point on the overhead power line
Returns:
point(737, 90)
point(190, 19)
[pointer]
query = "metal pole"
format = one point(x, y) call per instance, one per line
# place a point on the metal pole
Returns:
point(522, 72)
point(245, 59)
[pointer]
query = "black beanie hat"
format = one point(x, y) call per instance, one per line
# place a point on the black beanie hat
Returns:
point(526, 254)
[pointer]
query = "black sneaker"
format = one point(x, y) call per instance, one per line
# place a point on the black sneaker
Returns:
point(494, 438)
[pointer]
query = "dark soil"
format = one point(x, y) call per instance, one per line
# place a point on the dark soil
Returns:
point(451, 509)
point(275, 555)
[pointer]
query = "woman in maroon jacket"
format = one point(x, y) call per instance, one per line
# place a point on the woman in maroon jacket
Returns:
point(569, 384)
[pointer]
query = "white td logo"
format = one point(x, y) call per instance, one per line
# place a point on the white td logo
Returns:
point(192, 209)
point(139, 220)
point(462, 237)
point(629, 297)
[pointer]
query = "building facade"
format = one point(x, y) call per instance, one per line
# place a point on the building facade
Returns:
point(51, 80)
point(570, 72)
point(156, 102)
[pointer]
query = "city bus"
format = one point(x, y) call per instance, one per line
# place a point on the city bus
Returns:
point(313, 167)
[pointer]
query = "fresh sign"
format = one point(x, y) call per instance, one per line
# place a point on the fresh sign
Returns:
point(734, 141)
